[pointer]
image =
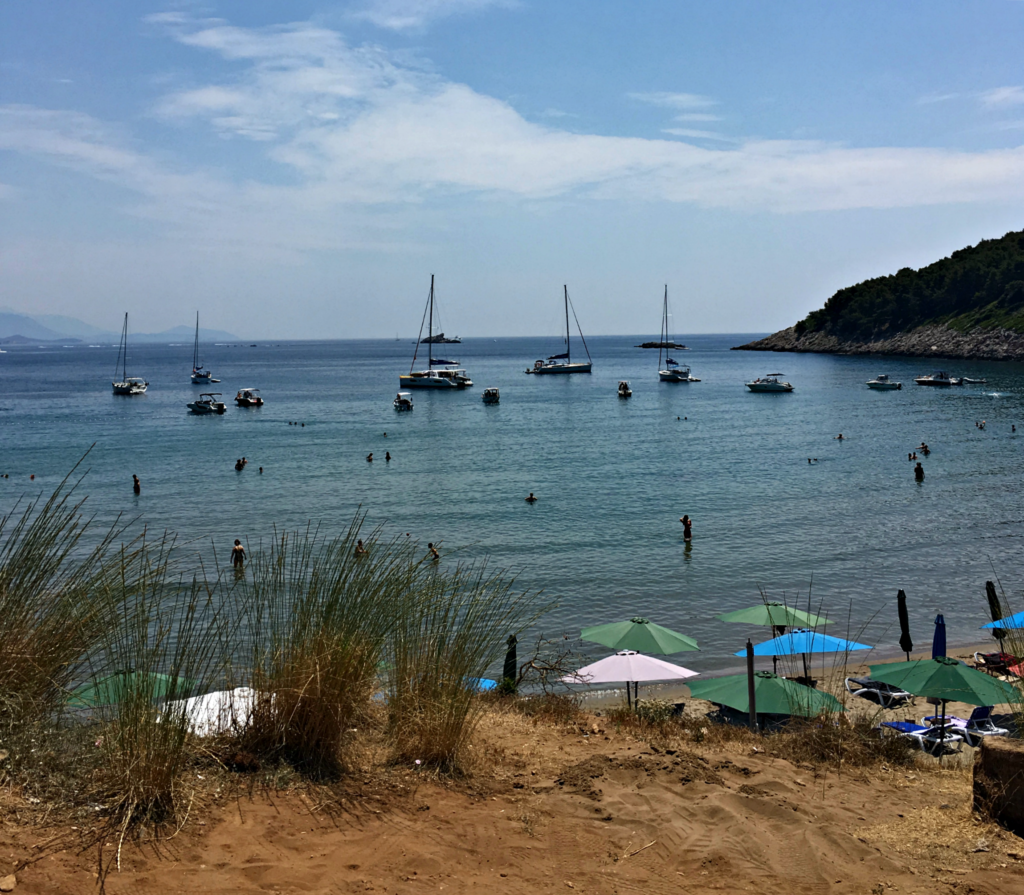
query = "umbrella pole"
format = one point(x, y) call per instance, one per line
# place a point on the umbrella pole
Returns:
point(807, 674)
point(751, 696)
point(629, 699)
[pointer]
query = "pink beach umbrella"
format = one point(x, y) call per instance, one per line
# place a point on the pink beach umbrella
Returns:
point(629, 667)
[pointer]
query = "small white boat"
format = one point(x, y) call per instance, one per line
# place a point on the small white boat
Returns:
point(199, 375)
point(562, 363)
point(249, 397)
point(207, 403)
point(882, 382)
point(491, 396)
point(769, 383)
point(127, 385)
point(940, 378)
point(624, 390)
point(403, 401)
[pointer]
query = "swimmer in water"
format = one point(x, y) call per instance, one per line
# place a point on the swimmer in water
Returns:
point(434, 555)
point(919, 473)
point(387, 456)
point(839, 437)
point(687, 528)
point(261, 470)
point(237, 554)
point(136, 484)
point(369, 457)
point(531, 498)
point(360, 549)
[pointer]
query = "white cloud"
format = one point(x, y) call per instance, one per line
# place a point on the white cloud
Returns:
point(697, 134)
point(674, 100)
point(402, 15)
point(696, 116)
point(1003, 97)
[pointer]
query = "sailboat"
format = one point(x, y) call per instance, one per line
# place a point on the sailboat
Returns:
point(128, 385)
point(199, 375)
point(672, 371)
point(562, 363)
point(440, 373)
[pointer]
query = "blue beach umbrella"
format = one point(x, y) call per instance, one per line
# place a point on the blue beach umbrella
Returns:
point(1011, 621)
point(801, 642)
point(939, 640)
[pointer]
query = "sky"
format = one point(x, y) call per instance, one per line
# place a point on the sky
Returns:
point(300, 169)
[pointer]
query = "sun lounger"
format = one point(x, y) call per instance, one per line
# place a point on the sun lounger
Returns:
point(886, 695)
point(973, 729)
point(995, 663)
point(928, 739)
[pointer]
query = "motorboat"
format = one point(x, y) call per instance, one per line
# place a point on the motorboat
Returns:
point(562, 363)
point(671, 370)
point(491, 396)
point(883, 383)
point(939, 378)
point(126, 385)
point(440, 372)
point(207, 403)
point(200, 376)
point(624, 390)
point(769, 383)
point(403, 401)
point(249, 397)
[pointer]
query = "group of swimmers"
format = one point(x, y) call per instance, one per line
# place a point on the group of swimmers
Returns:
point(387, 456)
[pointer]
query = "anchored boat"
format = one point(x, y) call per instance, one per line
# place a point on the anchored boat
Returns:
point(562, 363)
point(883, 383)
point(207, 403)
point(769, 383)
point(672, 371)
point(440, 373)
point(128, 385)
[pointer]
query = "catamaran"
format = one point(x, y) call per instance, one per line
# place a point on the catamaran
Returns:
point(672, 371)
point(562, 363)
point(199, 375)
point(128, 385)
point(440, 373)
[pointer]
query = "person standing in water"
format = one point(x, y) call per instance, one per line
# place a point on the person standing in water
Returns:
point(434, 555)
point(238, 555)
point(919, 473)
point(136, 484)
point(687, 528)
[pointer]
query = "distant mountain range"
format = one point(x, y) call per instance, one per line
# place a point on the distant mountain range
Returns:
point(55, 328)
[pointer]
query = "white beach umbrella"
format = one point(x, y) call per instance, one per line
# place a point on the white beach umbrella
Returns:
point(217, 712)
point(628, 667)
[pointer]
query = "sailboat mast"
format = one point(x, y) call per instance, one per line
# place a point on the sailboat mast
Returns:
point(664, 326)
point(195, 350)
point(124, 338)
point(430, 328)
point(568, 342)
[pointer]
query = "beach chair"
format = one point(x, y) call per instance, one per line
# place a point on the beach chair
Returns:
point(886, 695)
point(995, 663)
point(934, 740)
point(973, 729)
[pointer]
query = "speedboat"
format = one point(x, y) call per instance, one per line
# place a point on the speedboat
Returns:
point(403, 401)
point(939, 378)
point(207, 403)
point(249, 397)
point(562, 363)
point(769, 383)
point(882, 382)
point(491, 396)
point(440, 373)
point(624, 390)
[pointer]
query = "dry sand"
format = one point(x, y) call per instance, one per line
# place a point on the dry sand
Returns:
point(551, 809)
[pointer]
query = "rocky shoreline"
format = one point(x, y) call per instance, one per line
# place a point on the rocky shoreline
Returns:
point(925, 341)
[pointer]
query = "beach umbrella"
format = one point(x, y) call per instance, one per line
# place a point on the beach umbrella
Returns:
point(216, 712)
point(772, 614)
point(1010, 622)
point(629, 667)
point(906, 644)
point(640, 635)
point(773, 695)
point(939, 638)
point(995, 608)
point(114, 688)
point(945, 678)
point(802, 642)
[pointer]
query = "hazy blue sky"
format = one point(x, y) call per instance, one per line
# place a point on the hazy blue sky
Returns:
point(300, 169)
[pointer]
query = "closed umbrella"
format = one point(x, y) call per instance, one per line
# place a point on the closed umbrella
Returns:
point(628, 667)
point(640, 635)
point(906, 644)
point(939, 638)
point(995, 608)
point(774, 695)
point(803, 642)
point(510, 670)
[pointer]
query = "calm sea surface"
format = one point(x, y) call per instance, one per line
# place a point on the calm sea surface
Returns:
point(612, 476)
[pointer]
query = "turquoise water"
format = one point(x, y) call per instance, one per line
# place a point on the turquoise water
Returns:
point(612, 476)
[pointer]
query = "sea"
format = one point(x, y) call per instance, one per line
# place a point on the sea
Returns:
point(603, 542)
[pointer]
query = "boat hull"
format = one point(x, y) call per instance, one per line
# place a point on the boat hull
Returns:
point(129, 388)
point(670, 376)
point(885, 386)
point(764, 387)
point(556, 369)
point(207, 409)
point(407, 381)
point(938, 383)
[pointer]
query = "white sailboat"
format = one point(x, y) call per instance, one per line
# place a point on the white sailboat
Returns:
point(440, 373)
point(562, 363)
point(672, 371)
point(199, 375)
point(128, 385)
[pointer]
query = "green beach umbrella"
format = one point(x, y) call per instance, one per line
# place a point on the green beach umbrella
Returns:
point(773, 614)
point(640, 635)
point(113, 688)
point(773, 695)
point(945, 678)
